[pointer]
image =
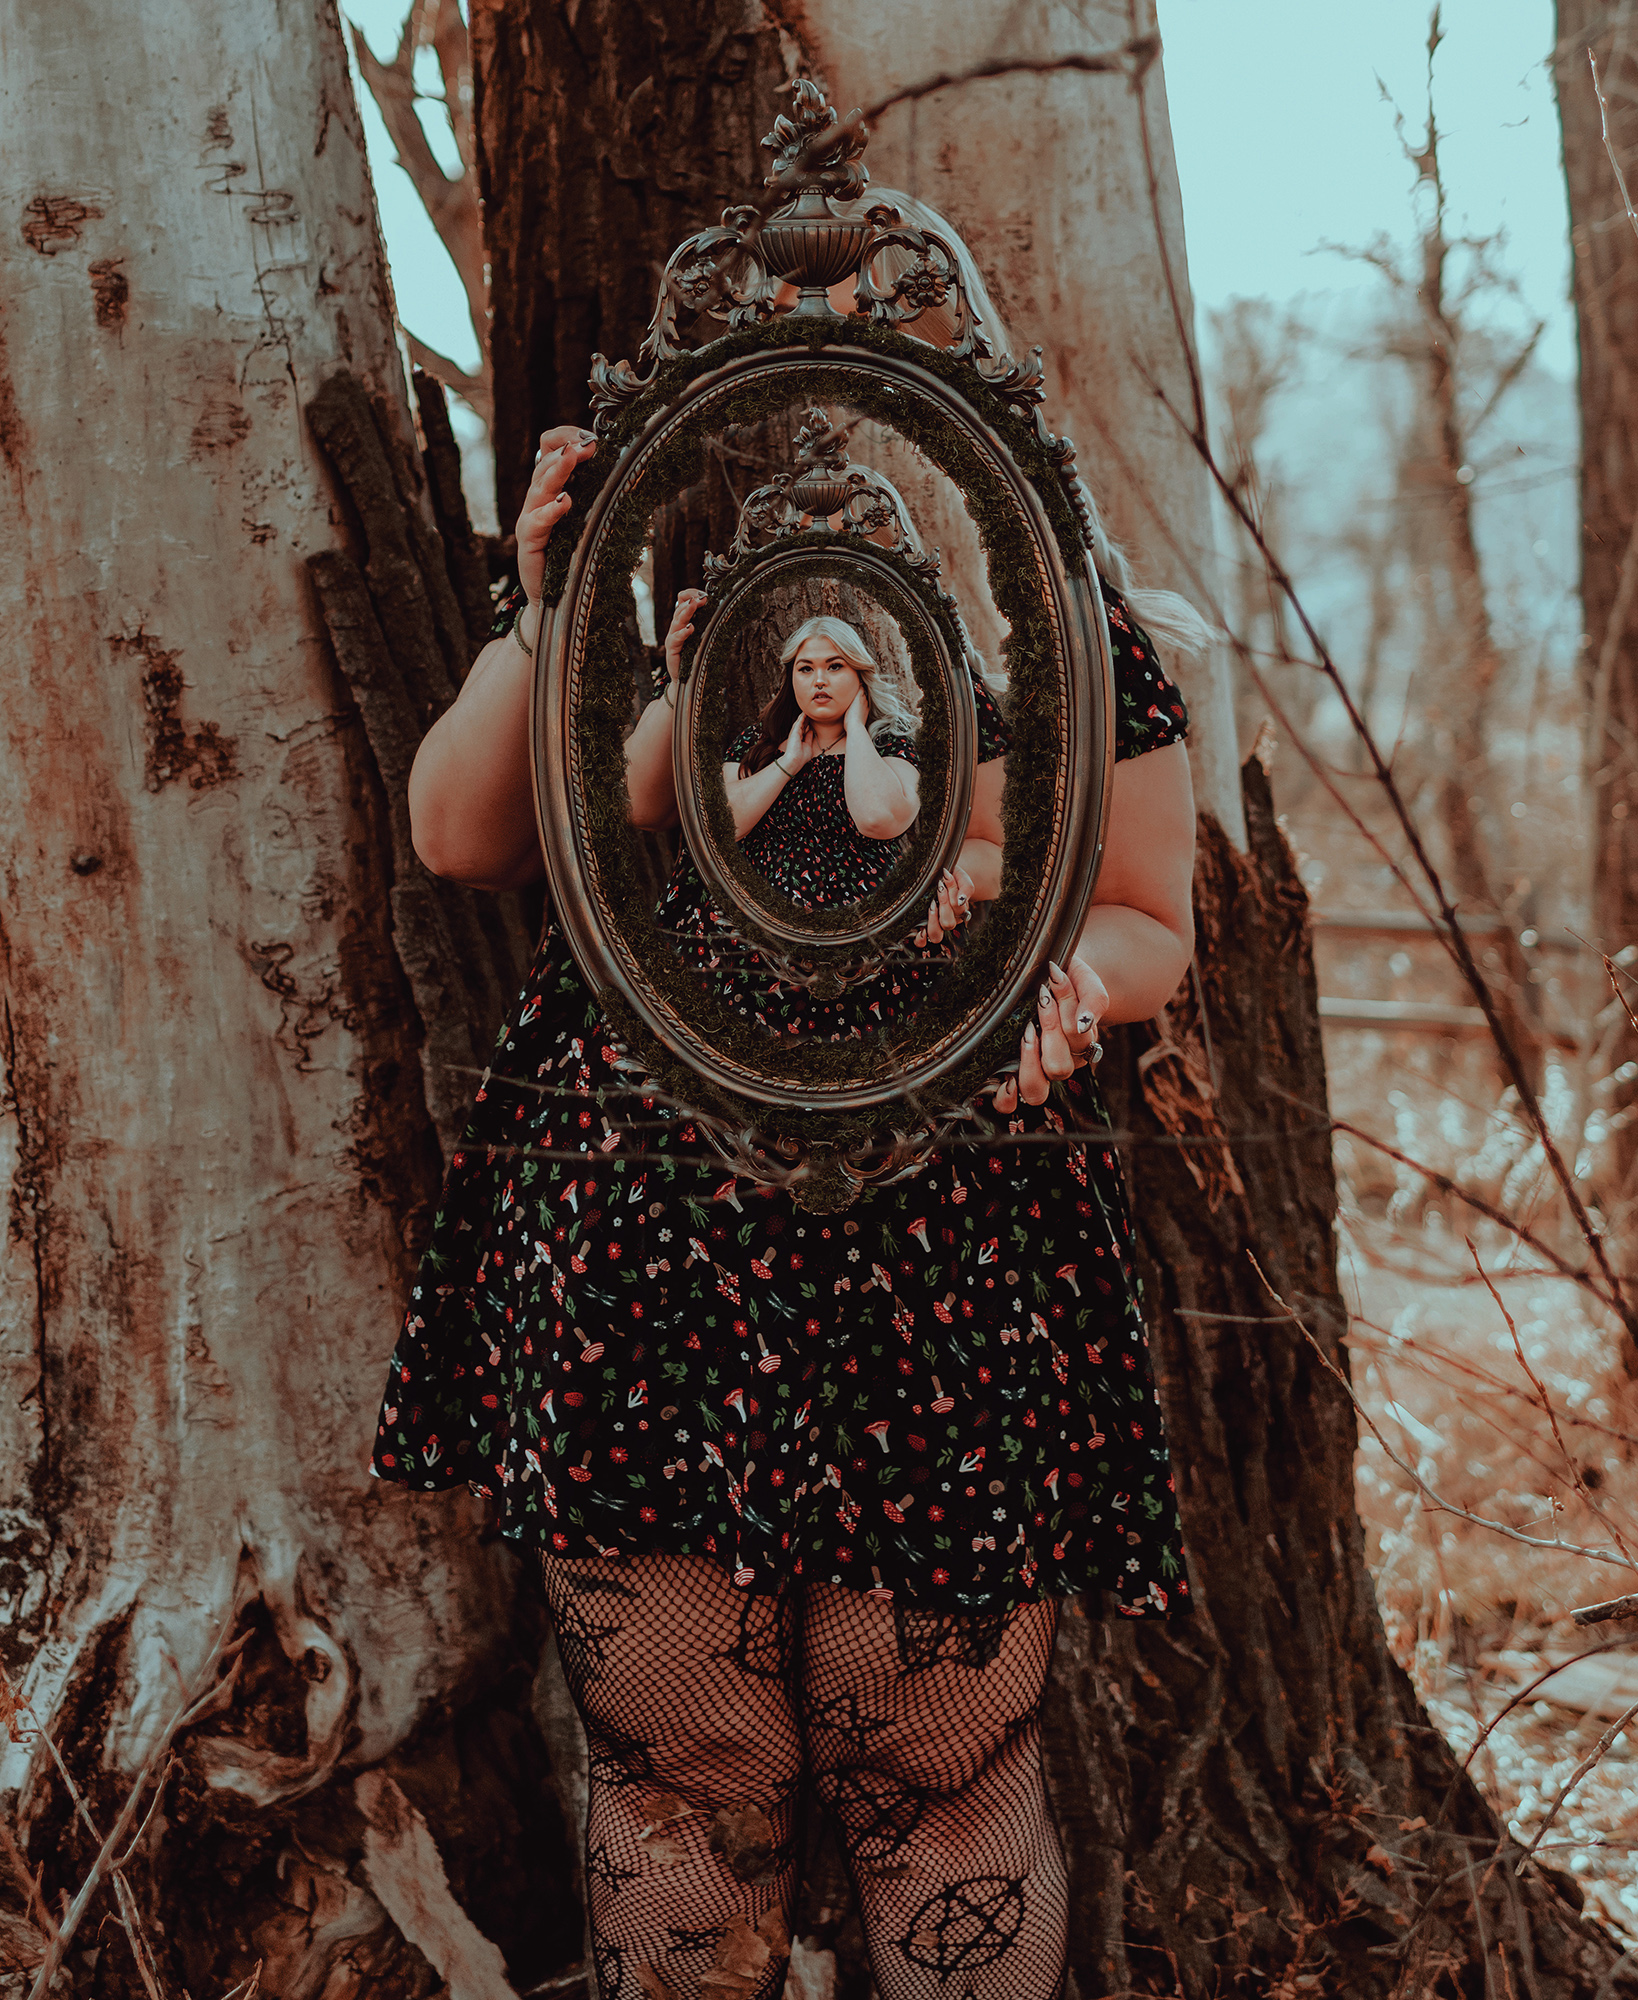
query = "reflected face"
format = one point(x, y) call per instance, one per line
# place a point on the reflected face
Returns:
point(823, 682)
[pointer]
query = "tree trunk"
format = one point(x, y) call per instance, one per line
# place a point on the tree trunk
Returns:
point(1232, 1790)
point(214, 1128)
point(1606, 300)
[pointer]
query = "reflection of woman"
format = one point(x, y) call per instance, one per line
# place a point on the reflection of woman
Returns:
point(806, 1488)
point(825, 782)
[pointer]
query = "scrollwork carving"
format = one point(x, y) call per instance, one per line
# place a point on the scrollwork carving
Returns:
point(718, 273)
point(825, 485)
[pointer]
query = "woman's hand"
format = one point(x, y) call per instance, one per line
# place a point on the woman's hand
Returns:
point(680, 628)
point(950, 908)
point(1063, 1035)
point(800, 746)
point(858, 714)
point(545, 504)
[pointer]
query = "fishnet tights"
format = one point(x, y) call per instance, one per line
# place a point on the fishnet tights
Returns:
point(706, 1712)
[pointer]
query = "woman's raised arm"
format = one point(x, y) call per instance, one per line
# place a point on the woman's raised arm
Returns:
point(471, 797)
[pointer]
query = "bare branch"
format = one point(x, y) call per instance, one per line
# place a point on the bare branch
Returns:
point(1612, 1607)
point(1539, 1386)
point(1431, 1497)
point(478, 390)
point(1131, 59)
point(1593, 1756)
point(451, 205)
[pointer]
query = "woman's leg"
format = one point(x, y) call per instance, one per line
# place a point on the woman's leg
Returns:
point(924, 1736)
point(683, 1683)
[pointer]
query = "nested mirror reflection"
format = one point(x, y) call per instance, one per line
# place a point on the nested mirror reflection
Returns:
point(816, 793)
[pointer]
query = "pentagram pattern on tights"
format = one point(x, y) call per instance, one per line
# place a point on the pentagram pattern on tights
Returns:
point(616, 1760)
point(879, 1814)
point(603, 1868)
point(931, 1638)
point(581, 1643)
point(763, 1647)
point(844, 1715)
point(611, 1965)
point(967, 1924)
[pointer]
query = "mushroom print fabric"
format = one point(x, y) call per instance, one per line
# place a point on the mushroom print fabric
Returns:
point(941, 1396)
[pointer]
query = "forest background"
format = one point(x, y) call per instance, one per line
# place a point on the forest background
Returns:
point(1382, 286)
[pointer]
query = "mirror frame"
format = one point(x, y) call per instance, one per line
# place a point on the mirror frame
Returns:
point(1021, 489)
point(845, 937)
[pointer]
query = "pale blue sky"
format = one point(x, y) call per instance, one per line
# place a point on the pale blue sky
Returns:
point(1283, 142)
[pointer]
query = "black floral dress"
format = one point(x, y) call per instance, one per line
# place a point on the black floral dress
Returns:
point(942, 1396)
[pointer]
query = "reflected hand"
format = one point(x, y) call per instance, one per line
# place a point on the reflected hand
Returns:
point(799, 746)
point(1062, 1037)
point(858, 712)
point(681, 626)
point(545, 504)
point(950, 908)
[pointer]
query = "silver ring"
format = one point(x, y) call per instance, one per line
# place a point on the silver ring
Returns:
point(1094, 1055)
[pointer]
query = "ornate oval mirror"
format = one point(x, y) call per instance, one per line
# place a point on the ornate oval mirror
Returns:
point(881, 1040)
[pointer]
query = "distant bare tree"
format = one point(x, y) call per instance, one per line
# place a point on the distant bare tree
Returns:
point(451, 202)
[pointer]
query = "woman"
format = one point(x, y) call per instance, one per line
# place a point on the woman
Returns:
point(807, 1488)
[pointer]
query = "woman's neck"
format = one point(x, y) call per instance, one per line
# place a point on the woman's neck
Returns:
point(827, 734)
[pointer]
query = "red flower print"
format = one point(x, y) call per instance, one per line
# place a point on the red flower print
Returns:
point(935, 1512)
point(619, 1454)
point(941, 1576)
point(984, 1375)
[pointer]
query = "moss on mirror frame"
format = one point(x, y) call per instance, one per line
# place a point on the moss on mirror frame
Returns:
point(1009, 551)
point(828, 555)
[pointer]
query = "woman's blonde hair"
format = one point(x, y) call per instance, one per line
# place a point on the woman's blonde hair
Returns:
point(890, 713)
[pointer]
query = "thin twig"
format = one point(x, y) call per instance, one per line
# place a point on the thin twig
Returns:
point(1546, 1404)
point(194, 1703)
point(1431, 1497)
point(1594, 1756)
point(1612, 1607)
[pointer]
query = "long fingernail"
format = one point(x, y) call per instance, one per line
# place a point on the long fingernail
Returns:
point(1084, 1020)
point(1029, 1036)
point(1057, 971)
point(1046, 996)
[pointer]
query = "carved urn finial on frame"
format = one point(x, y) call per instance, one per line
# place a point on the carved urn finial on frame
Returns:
point(817, 159)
